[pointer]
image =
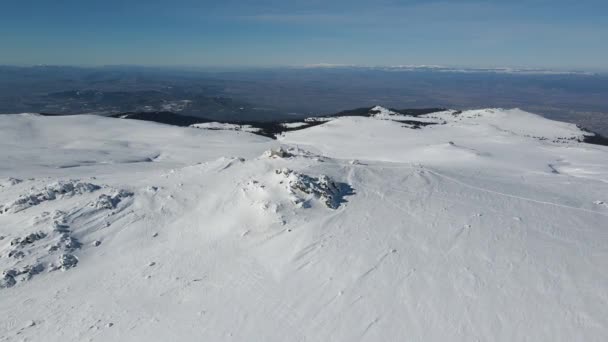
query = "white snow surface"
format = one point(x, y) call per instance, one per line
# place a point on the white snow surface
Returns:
point(491, 225)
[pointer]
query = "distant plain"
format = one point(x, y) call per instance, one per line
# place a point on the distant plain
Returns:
point(270, 93)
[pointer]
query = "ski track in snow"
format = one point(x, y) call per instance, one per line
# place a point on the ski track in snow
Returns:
point(516, 197)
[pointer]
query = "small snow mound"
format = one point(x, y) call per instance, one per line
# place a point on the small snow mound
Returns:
point(48, 193)
point(305, 187)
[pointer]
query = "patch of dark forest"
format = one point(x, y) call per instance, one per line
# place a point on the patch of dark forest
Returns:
point(594, 138)
point(271, 129)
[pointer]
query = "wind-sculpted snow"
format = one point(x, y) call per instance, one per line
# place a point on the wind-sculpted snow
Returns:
point(484, 225)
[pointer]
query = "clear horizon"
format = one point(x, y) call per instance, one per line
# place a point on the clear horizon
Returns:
point(236, 67)
point(559, 35)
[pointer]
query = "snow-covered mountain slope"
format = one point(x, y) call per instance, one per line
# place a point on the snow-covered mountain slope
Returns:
point(487, 225)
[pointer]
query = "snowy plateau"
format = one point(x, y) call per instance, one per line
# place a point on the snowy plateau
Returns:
point(480, 225)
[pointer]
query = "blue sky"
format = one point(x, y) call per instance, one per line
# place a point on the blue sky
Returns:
point(533, 33)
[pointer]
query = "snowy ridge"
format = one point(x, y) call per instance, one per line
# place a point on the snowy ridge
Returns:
point(448, 226)
point(380, 112)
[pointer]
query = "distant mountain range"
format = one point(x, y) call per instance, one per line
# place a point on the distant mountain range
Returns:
point(440, 68)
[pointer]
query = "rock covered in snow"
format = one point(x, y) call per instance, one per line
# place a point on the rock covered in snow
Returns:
point(48, 193)
point(7, 280)
point(111, 201)
point(279, 152)
point(67, 261)
point(54, 245)
point(28, 239)
point(11, 276)
point(67, 243)
point(10, 181)
point(330, 193)
point(286, 152)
